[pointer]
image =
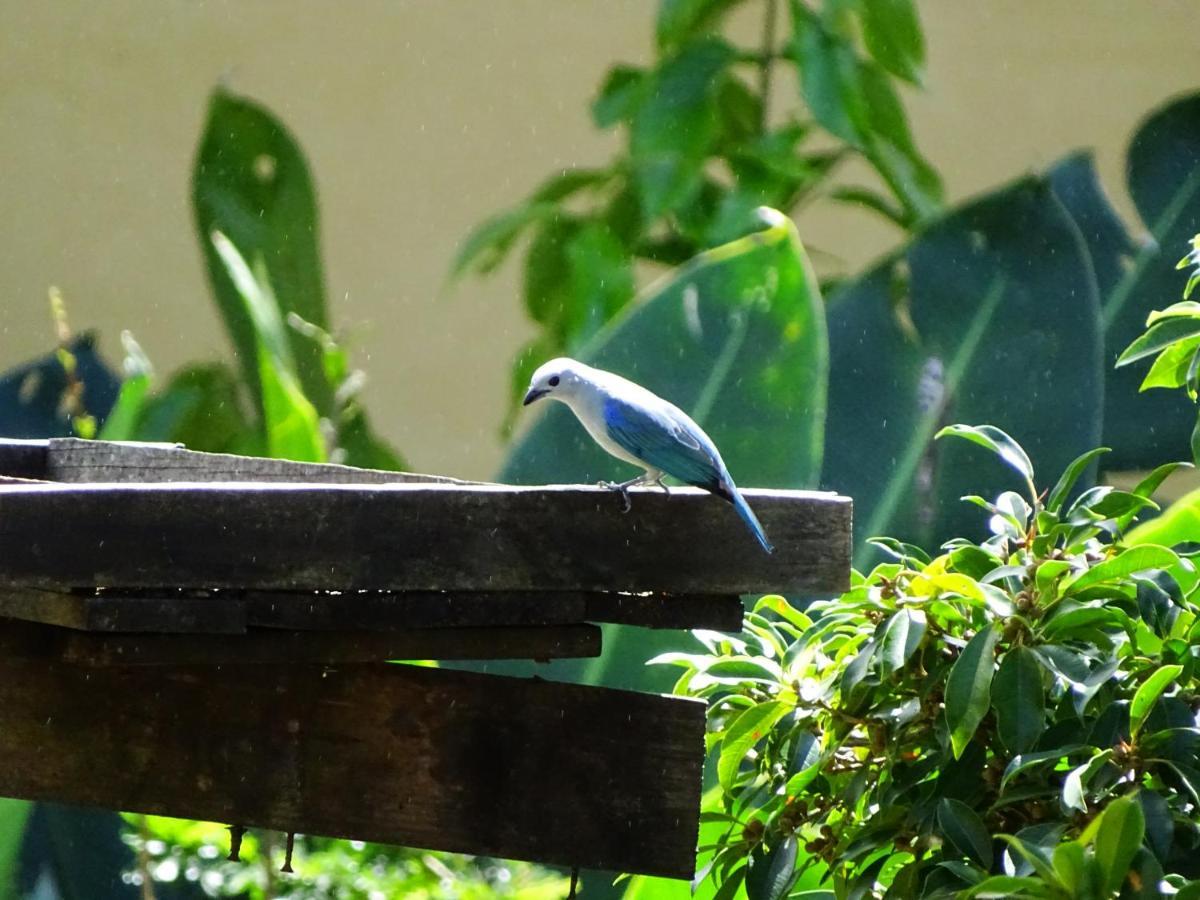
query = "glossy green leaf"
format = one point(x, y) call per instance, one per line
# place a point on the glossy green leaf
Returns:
point(750, 727)
point(910, 354)
point(997, 441)
point(1133, 559)
point(736, 338)
point(968, 688)
point(892, 33)
point(1147, 695)
point(1075, 785)
point(251, 182)
point(1122, 828)
point(901, 637)
point(965, 830)
point(1009, 887)
point(1172, 367)
point(1072, 866)
point(1019, 700)
point(1070, 475)
point(772, 873)
point(1158, 337)
point(1179, 522)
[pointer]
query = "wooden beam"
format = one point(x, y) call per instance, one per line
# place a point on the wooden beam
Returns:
point(275, 647)
point(23, 458)
point(157, 611)
point(418, 537)
point(512, 768)
point(718, 612)
point(79, 461)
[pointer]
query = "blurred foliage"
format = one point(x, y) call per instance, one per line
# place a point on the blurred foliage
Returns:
point(170, 851)
point(1015, 717)
point(1173, 337)
point(703, 150)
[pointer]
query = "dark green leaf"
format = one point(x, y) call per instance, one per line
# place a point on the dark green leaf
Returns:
point(901, 637)
point(1026, 761)
point(830, 78)
point(965, 830)
point(1160, 825)
point(909, 354)
point(1164, 183)
point(252, 183)
point(1075, 785)
point(968, 688)
point(675, 126)
point(487, 245)
point(772, 873)
point(1009, 887)
point(1019, 700)
point(1032, 849)
point(892, 33)
point(997, 441)
point(682, 20)
point(1119, 838)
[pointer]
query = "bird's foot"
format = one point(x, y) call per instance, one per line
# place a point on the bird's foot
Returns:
point(622, 488)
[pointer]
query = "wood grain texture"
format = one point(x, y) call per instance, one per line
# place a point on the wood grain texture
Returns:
point(79, 461)
point(520, 769)
point(418, 537)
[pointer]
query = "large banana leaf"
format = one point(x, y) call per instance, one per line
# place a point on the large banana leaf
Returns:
point(252, 183)
point(737, 338)
point(1163, 171)
point(991, 315)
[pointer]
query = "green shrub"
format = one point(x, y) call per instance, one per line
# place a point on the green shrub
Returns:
point(1013, 717)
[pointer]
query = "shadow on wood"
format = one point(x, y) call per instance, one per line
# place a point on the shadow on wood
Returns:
point(395, 754)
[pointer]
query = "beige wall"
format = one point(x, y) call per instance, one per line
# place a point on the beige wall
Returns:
point(420, 118)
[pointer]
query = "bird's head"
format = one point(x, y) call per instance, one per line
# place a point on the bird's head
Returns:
point(560, 378)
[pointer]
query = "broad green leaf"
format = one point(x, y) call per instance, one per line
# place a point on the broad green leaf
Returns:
point(771, 873)
point(1159, 337)
point(736, 338)
point(1164, 182)
point(1122, 828)
point(1019, 700)
point(1160, 824)
point(901, 637)
point(1147, 695)
point(674, 127)
point(1075, 785)
point(13, 816)
point(1071, 475)
point(251, 182)
point(916, 342)
point(750, 727)
point(1178, 523)
point(965, 830)
point(1127, 562)
point(1010, 887)
point(1074, 868)
point(968, 688)
point(1171, 368)
point(829, 77)
point(1182, 308)
point(892, 33)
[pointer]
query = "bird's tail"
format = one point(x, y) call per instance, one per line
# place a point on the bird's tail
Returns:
point(751, 520)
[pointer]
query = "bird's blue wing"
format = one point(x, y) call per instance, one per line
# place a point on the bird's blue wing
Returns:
point(663, 443)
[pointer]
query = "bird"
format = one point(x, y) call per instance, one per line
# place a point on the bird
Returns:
point(641, 428)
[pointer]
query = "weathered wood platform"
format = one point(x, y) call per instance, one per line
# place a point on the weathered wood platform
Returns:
point(205, 635)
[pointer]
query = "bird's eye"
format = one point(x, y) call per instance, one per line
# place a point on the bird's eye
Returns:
point(554, 381)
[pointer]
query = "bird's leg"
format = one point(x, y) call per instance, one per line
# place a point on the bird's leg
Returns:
point(659, 483)
point(622, 487)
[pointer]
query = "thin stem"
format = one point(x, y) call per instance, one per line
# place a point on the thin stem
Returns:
point(766, 63)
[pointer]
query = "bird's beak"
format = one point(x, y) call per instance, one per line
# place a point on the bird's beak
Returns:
point(533, 394)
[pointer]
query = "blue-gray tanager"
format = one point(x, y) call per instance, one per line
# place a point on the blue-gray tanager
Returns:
point(641, 428)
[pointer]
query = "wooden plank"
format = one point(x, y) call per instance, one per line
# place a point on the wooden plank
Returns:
point(373, 610)
point(74, 460)
point(23, 458)
point(718, 612)
point(512, 768)
point(155, 611)
point(334, 648)
point(418, 537)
